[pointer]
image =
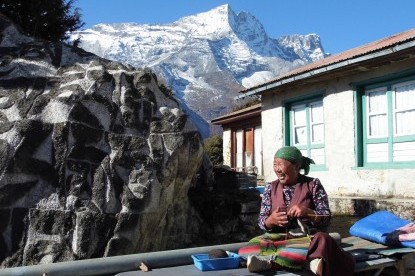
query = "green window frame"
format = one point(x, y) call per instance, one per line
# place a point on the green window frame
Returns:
point(307, 129)
point(387, 124)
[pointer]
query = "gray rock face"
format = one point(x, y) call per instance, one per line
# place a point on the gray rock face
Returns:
point(96, 157)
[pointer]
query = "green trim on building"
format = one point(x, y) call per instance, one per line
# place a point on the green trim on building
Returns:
point(362, 139)
point(357, 92)
point(288, 121)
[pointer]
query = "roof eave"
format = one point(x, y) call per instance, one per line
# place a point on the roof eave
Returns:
point(326, 69)
point(230, 119)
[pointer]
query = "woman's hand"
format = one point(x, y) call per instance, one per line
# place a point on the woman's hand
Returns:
point(298, 211)
point(277, 218)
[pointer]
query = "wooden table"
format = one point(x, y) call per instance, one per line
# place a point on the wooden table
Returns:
point(387, 259)
point(391, 258)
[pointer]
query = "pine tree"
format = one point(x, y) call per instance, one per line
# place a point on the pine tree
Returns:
point(47, 19)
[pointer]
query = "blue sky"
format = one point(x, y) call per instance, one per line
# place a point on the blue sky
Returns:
point(341, 24)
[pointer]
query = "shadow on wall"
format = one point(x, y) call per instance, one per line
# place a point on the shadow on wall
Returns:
point(364, 207)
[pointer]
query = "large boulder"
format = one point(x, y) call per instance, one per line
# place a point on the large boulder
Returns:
point(97, 158)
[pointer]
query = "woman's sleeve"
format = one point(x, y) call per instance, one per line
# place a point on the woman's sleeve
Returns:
point(265, 207)
point(321, 202)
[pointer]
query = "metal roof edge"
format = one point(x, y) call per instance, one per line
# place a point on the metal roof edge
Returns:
point(251, 110)
point(327, 68)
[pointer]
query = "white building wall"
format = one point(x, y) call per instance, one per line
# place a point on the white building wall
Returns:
point(341, 176)
point(258, 149)
point(272, 133)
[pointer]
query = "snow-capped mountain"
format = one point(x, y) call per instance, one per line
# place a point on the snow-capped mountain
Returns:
point(207, 58)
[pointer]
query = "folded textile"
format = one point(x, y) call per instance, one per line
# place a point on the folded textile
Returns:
point(386, 228)
point(407, 237)
point(404, 233)
point(289, 253)
point(407, 232)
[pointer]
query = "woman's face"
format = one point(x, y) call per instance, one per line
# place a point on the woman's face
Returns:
point(286, 171)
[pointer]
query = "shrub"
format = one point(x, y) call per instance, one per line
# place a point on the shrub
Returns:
point(213, 147)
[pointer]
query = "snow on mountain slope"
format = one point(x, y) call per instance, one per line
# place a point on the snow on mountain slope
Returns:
point(205, 58)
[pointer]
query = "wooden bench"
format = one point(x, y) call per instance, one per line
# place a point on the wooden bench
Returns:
point(390, 259)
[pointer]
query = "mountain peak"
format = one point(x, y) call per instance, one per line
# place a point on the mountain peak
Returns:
point(215, 21)
point(222, 13)
point(225, 8)
point(249, 29)
point(205, 58)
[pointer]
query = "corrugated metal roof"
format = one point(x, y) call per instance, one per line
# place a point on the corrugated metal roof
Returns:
point(237, 114)
point(346, 55)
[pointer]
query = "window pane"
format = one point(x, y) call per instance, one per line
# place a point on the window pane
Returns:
point(317, 133)
point(404, 151)
point(318, 156)
point(299, 116)
point(317, 122)
point(405, 96)
point(300, 135)
point(304, 152)
point(377, 152)
point(317, 113)
point(307, 128)
point(405, 123)
point(404, 108)
point(377, 106)
point(377, 102)
point(378, 126)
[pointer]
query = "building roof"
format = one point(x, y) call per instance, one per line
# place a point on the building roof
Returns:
point(248, 112)
point(380, 48)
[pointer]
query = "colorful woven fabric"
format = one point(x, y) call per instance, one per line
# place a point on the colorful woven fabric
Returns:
point(289, 253)
point(291, 257)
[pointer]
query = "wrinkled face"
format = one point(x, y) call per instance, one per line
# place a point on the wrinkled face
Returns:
point(286, 171)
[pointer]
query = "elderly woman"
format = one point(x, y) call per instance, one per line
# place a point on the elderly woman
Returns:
point(293, 195)
point(295, 214)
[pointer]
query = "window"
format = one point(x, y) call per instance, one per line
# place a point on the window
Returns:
point(248, 150)
point(389, 123)
point(306, 125)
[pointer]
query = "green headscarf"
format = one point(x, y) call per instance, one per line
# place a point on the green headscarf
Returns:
point(294, 155)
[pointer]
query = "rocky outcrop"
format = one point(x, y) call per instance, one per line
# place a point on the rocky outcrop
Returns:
point(97, 158)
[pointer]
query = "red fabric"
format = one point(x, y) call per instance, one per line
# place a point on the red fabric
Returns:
point(250, 250)
point(336, 261)
point(294, 256)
